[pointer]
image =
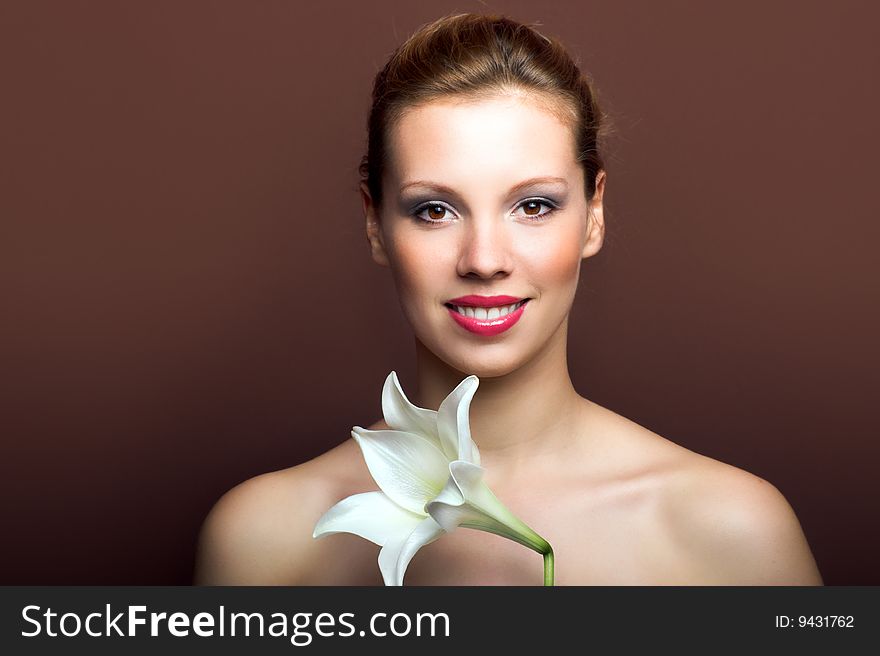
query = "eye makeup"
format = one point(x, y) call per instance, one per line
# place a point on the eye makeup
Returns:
point(551, 205)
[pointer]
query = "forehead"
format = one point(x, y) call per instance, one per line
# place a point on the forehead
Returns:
point(480, 141)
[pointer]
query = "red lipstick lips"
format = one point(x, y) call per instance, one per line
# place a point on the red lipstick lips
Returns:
point(480, 323)
point(473, 300)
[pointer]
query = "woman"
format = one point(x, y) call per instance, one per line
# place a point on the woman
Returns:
point(484, 179)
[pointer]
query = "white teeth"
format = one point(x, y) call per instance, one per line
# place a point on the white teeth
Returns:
point(488, 314)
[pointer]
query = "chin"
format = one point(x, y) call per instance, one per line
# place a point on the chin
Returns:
point(483, 362)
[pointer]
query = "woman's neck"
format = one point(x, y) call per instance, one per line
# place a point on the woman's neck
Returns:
point(523, 417)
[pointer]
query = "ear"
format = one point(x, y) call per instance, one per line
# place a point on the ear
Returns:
point(595, 219)
point(374, 227)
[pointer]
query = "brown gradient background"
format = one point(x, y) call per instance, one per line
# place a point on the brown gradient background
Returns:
point(188, 298)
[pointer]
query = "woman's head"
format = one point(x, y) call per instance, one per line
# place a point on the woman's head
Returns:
point(465, 112)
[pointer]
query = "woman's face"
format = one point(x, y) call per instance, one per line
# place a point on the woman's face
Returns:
point(485, 199)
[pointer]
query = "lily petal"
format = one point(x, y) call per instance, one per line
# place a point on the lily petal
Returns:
point(371, 515)
point(401, 414)
point(467, 501)
point(475, 453)
point(396, 555)
point(453, 424)
point(409, 468)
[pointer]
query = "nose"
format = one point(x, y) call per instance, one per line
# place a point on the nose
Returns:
point(484, 250)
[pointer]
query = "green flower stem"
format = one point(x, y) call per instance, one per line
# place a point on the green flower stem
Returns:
point(548, 566)
point(501, 521)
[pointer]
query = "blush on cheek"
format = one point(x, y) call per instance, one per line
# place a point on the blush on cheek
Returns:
point(416, 274)
point(410, 262)
point(555, 261)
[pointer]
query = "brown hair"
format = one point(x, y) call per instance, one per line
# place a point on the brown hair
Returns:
point(475, 56)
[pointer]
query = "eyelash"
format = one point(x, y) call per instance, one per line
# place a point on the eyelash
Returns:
point(537, 218)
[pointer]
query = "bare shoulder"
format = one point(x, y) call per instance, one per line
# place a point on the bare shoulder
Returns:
point(737, 528)
point(260, 531)
point(724, 525)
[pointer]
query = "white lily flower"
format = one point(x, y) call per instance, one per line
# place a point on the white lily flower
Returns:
point(428, 470)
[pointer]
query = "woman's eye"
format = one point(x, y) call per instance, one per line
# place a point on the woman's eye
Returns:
point(532, 208)
point(432, 213)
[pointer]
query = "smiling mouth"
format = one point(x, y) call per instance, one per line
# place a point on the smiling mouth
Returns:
point(486, 313)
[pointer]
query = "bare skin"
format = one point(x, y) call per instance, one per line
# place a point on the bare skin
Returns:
point(620, 504)
point(654, 513)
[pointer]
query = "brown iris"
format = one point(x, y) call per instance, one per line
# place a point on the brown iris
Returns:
point(440, 210)
point(535, 204)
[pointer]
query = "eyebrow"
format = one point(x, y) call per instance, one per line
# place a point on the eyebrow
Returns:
point(435, 186)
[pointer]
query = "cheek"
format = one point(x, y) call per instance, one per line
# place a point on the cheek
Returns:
point(554, 258)
point(415, 265)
